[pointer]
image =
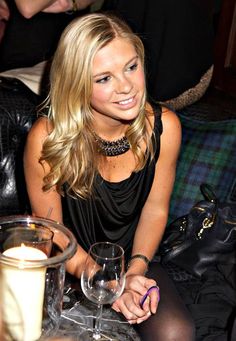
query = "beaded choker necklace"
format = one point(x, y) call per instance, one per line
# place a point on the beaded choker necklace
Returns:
point(112, 148)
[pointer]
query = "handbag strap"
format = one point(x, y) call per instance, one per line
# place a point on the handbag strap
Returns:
point(208, 193)
point(210, 219)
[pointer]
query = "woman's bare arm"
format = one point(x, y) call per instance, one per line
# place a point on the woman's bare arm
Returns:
point(42, 202)
point(154, 215)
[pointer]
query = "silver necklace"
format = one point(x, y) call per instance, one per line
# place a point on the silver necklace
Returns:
point(112, 148)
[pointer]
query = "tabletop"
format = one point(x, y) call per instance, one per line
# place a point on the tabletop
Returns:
point(79, 313)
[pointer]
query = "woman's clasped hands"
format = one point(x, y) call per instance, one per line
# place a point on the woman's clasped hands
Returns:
point(139, 300)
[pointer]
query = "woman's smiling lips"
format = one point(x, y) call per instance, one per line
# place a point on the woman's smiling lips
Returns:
point(127, 103)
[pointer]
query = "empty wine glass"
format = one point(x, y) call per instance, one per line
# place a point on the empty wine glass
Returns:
point(103, 280)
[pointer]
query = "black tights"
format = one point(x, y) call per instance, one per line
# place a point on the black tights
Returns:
point(172, 321)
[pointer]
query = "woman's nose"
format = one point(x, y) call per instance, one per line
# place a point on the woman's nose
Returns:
point(124, 85)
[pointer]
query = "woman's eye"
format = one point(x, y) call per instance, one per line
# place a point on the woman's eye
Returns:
point(103, 79)
point(133, 67)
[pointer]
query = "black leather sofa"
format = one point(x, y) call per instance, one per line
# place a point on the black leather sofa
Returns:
point(17, 113)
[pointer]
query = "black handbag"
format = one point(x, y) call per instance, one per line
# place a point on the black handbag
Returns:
point(203, 238)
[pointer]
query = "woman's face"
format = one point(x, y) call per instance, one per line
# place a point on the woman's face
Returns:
point(118, 82)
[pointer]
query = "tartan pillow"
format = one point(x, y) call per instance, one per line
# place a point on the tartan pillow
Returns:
point(207, 155)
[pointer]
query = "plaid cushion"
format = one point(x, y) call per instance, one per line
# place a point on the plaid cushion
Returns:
point(207, 155)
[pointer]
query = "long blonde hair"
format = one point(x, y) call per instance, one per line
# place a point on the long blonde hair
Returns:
point(70, 149)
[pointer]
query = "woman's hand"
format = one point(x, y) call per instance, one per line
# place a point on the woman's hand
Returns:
point(66, 5)
point(129, 302)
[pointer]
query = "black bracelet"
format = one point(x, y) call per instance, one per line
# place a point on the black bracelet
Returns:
point(140, 256)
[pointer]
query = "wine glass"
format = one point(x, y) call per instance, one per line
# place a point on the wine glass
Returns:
point(103, 279)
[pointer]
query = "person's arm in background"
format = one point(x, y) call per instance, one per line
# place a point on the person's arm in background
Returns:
point(29, 8)
point(4, 11)
point(4, 16)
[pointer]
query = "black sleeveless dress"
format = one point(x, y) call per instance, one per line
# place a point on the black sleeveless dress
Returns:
point(113, 212)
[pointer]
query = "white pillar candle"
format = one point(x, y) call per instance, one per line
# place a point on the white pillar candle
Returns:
point(23, 294)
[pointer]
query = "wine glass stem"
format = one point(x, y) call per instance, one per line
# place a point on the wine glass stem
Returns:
point(97, 327)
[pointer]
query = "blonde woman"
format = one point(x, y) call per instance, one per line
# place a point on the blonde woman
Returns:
point(111, 156)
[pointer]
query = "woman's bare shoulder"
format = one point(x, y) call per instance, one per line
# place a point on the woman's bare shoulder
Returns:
point(40, 129)
point(171, 136)
point(170, 118)
point(34, 144)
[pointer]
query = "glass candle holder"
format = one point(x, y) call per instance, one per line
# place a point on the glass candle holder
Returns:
point(33, 255)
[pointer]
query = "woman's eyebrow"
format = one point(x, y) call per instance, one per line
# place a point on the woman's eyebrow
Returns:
point(106, 72)
point(131, 60)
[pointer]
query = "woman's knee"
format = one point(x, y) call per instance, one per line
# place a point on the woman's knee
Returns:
point(179, 329)
point(176, 328)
